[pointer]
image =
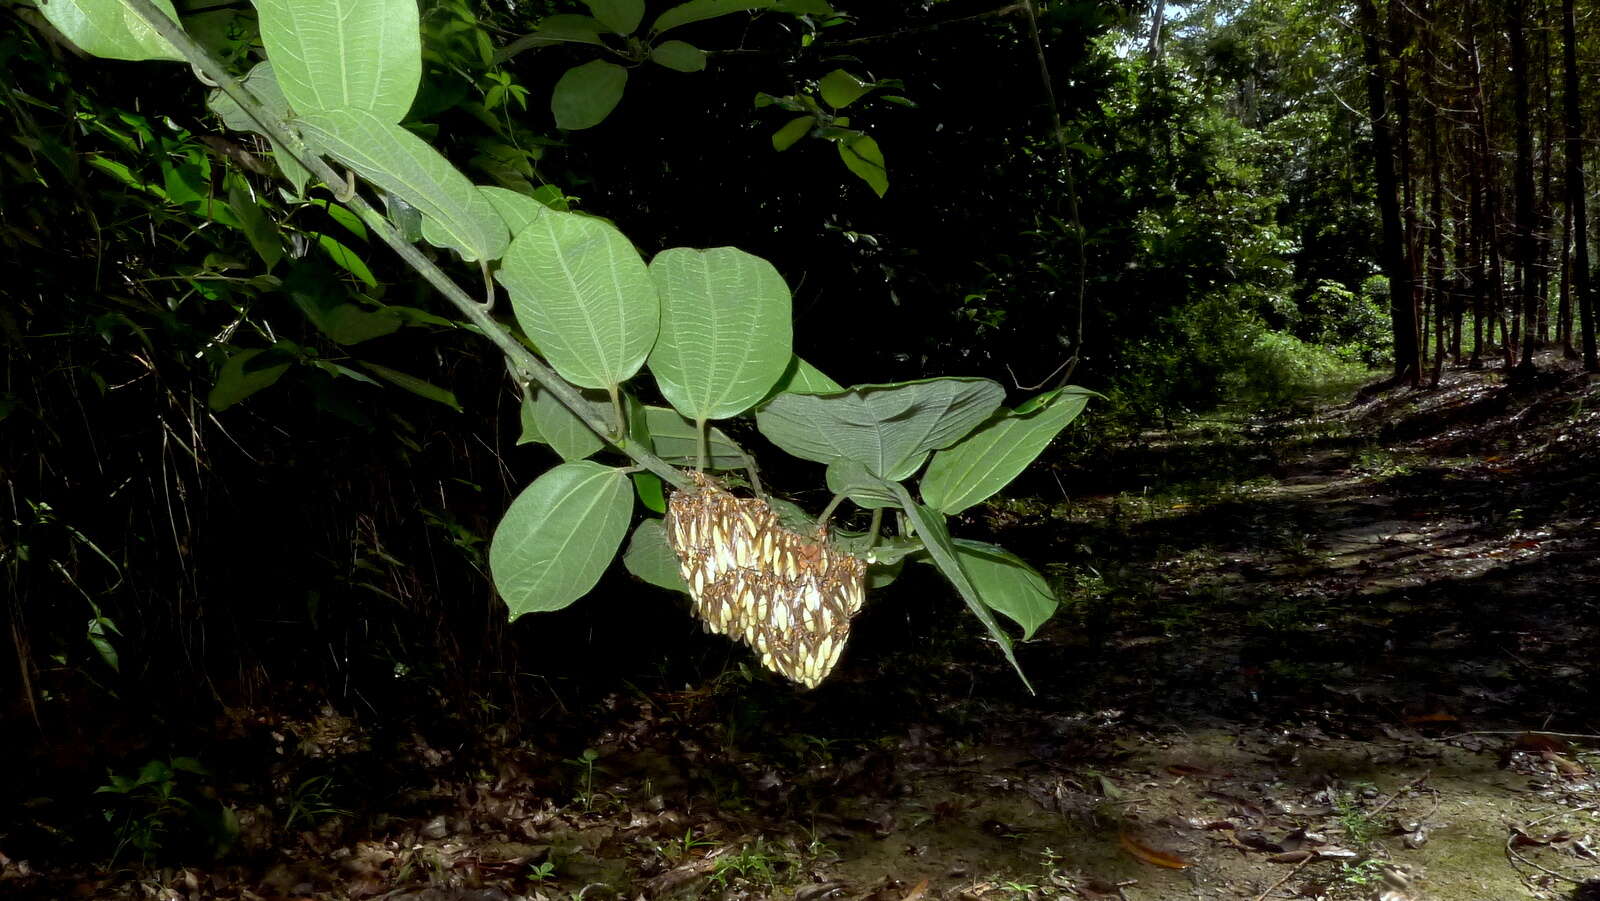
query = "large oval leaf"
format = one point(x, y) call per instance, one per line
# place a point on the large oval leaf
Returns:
point(585, 95)
point(725, 330)
point(559, 535)
point(107, 28)
point(700, 10)
point(889, 429)
point(973, 469)
point(1006, 584)
point(455, 213)
point(584, 296)
point(363, 55)
point(621, 16)
point(517, 210)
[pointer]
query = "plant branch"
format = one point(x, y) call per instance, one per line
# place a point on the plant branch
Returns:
point(520, 358)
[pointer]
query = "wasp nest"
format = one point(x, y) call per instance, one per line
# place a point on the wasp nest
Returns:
point(788, 596)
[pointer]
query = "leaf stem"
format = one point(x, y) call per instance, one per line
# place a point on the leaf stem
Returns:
point(520, 359)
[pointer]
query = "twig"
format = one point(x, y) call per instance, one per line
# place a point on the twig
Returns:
point(1577, 735)
point(1397, 792)
point(1512, 853)
point(1286, 877)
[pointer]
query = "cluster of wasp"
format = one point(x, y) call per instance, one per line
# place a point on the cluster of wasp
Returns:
point(788, 596)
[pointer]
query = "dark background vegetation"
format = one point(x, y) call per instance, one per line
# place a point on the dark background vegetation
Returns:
point(324, 542)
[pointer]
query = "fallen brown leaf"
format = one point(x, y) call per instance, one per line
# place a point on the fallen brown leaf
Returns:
point(1152, 856)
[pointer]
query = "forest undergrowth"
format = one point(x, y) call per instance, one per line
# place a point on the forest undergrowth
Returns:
point(1346, 654)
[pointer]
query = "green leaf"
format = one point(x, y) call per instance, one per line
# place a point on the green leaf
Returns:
point(584, 296)
point(725, 330)
point(530, 426)
point(647, 485)
point(345, 55)
point(107, 28)
point(651, 558)
point(559, 535)
point(586, 94)
point(972, 470)
point(350, 221)
point(263, 85)
point(792, 131)
point(262, 234)
point(346, 259)
point(862, 156)
point(346, 323)
point(930, 526)
point(840, 88)
point(804, 7)
point(621, 16)
point(100, 628)
point(679, 55)
point(700, 10)
point(413, 384)
point(672, 438)
point(240, 377)
point(455, 213)
point(801, 377)
point(1008, 585)
point(889, 429)
point(852, 480)
point(517, 210)
point(563, 430)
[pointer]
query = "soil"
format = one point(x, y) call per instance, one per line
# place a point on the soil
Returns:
point(1346, 655)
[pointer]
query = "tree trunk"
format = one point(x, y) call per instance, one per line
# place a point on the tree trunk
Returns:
point(1577, 198)
point(1402, 309)
point(1525, 246)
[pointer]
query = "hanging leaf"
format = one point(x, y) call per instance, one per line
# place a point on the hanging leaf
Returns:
point(801, 377)
point(650, 557)
point(559, 535)
point(413, 384)
point(530, 427)
point(679, 56)
point(973, 469)
point(647, 485)
point(563, 430)
point(108, 29)
point(862, 156)
point(840, 89)
point(700, 10)
point(245, 373)
point(794, 130)
point(672, 438)
point(455, 213)
point(516, 210)
point(931, 528)
point(346, 55)
point(1008, 585)
point(262, 234)
point(346, 259)
point(584, 296)
point(852, 480)
point(621, 16)
point(725, 330)
point(586, 94)
point(263, 85)
point(889, 429)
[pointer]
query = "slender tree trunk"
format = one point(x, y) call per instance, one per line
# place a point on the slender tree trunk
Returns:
point(1402, 309)
point(1577, 197)
point(1564, 304)
point(1436, 274)
point(1525, 246)
point(1158, 18)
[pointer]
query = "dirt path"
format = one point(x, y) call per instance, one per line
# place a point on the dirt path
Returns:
point(1292, 662)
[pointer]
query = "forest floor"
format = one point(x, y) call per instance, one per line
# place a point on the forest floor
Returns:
point(1344, 655)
